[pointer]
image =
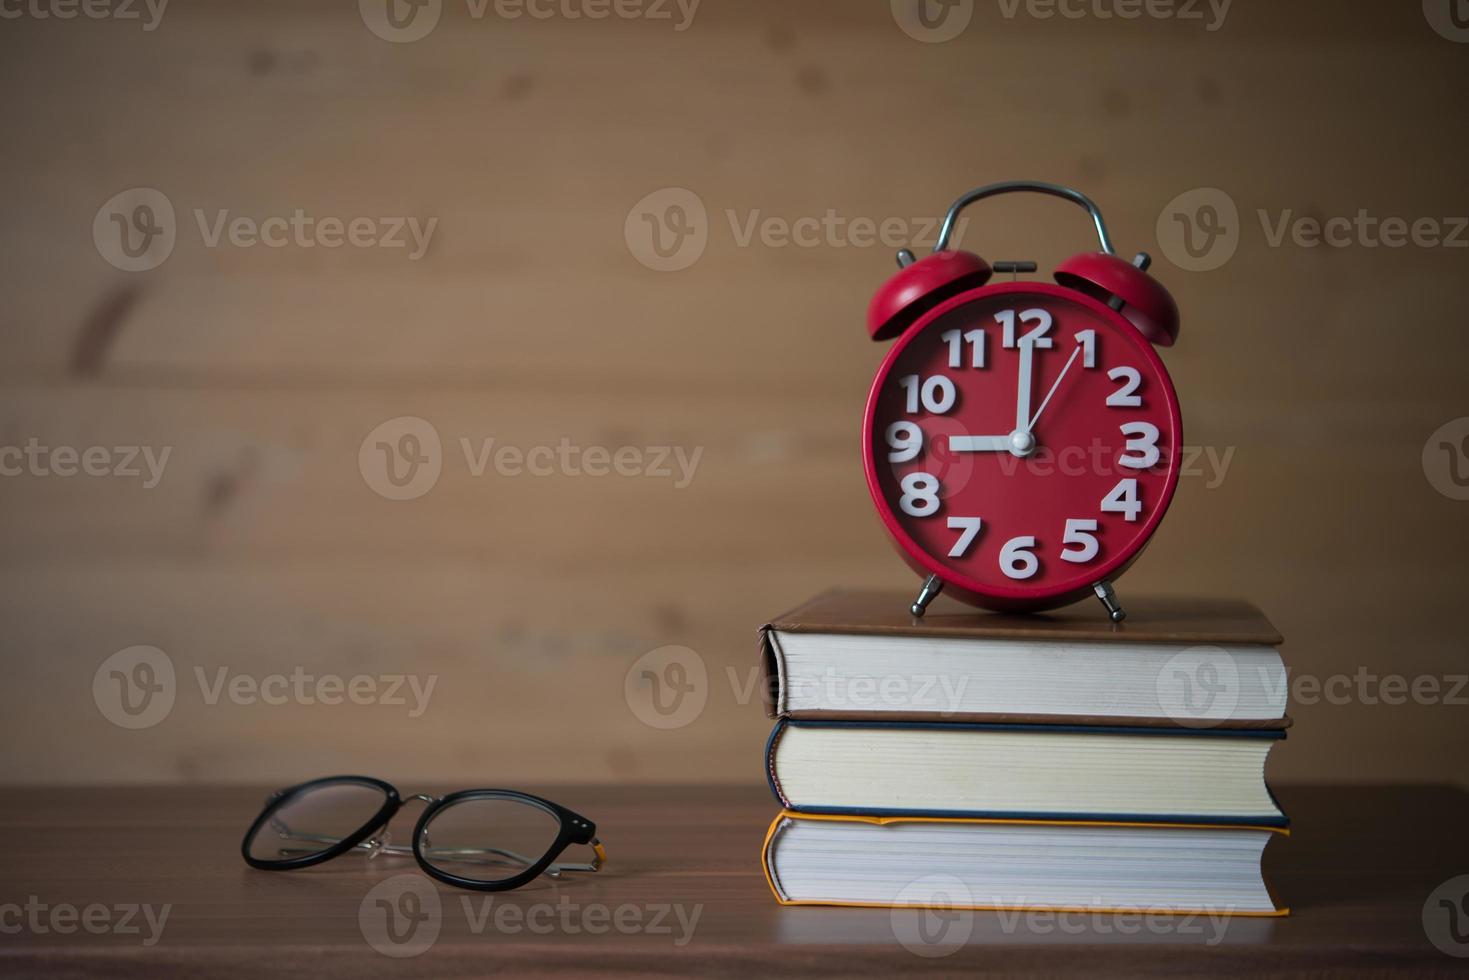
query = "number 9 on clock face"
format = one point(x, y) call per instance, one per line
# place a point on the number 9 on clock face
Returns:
point(1022, 444)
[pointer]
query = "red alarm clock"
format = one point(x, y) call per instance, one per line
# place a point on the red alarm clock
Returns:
point(1022, 439)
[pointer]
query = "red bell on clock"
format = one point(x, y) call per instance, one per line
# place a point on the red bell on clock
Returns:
point(1022, 439)
point(919, 287)
point(1127, 288)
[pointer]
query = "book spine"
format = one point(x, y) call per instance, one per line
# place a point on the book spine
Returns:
point(772, 673)
point(770, 775)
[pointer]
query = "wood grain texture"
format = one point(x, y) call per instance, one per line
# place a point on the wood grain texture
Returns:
point(1318, 373)
point(1356, 873)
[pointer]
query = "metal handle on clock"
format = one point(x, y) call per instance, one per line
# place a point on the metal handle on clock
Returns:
point(1032, 186)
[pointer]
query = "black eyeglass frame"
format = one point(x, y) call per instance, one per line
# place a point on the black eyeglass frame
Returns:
point(574, 829)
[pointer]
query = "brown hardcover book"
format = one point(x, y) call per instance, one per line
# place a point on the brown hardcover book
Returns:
point(1174, 662)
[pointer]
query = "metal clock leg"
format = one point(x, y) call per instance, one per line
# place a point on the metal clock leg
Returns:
point(1108, 596)
point(930, 591)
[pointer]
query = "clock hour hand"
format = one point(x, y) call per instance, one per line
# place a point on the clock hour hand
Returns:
point(979, 444)
point(1018, 443)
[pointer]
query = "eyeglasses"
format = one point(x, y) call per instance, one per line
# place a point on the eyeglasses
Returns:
point(486, 839)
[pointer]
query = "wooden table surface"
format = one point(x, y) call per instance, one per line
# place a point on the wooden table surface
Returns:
point(682, 894)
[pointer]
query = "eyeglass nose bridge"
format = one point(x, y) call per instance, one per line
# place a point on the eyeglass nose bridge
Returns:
point(382, 838)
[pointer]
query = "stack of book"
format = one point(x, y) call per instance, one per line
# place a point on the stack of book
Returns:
point(1023, 762)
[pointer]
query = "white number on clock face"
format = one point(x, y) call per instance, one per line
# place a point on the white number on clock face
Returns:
point(1123, 499)
point(1016, 559)
point(905, 439)
point(1039, 321)
point(1142, 439)
point(920, 494)
point(937, 394)
point(969, 529)
point(1079, 533)
point(1088, 341)
point(956, 341)
point(1126, 395)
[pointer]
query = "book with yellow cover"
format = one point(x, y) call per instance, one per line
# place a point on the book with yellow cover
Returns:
point(884, 862)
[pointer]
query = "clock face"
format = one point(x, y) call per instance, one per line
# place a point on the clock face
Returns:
point(1022, 441)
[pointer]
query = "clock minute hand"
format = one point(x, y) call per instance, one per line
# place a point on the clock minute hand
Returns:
point(1059, 378)
point(1022, 392)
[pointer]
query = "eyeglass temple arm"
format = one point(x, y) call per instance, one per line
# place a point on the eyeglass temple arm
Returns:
point(595, 864)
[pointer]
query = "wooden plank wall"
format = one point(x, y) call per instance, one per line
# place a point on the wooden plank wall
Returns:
point(529, 321)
